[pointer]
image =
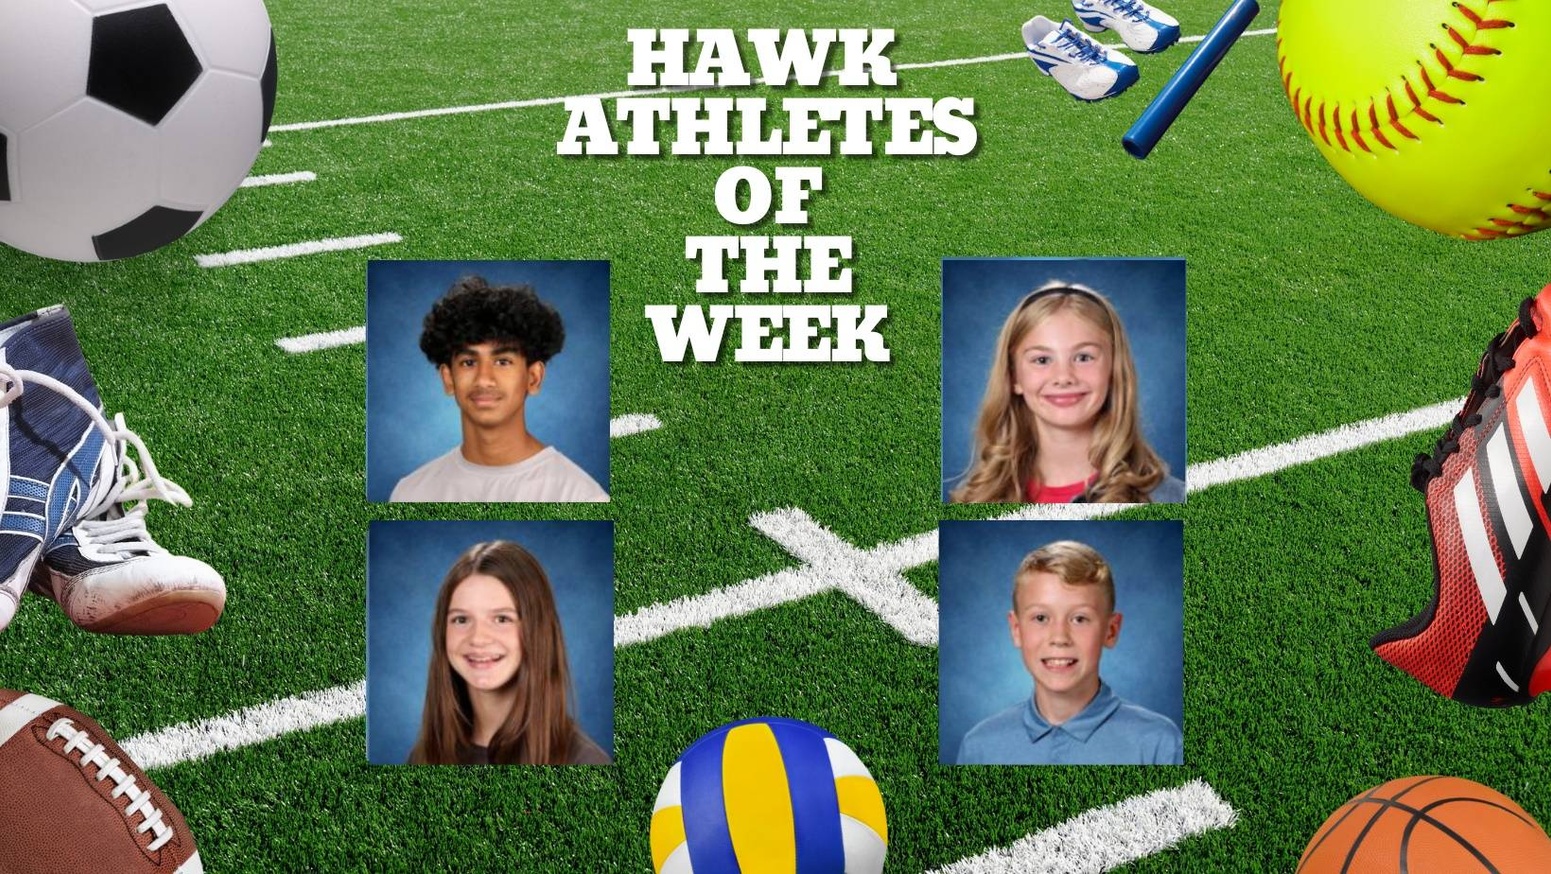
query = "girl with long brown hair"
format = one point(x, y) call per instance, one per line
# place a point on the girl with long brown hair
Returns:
point(1060, 421)
point(499, 690)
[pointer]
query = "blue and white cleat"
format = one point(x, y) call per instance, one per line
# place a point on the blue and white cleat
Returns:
point(1140, 26)
point(1085, 68)
point(73, 499)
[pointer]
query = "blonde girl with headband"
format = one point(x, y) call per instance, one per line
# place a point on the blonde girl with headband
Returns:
point(1060, 419)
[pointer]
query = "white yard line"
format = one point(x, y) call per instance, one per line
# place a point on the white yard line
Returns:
point(869, 576)
point(632, 423)
point(1271, 459)
point(638, 92)
point(1107, 837)
point(279, 179)
point(196, 740)
point(295, 250)
point(325, 340)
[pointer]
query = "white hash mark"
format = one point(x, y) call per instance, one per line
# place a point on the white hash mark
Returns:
point(1105, 838)
point(295, 250)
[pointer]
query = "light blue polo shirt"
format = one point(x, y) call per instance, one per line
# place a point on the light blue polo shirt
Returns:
point(1106, 732)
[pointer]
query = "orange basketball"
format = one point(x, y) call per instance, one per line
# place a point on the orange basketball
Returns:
point(1428, 825)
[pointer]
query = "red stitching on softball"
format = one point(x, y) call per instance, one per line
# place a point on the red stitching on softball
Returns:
point(1482, 23)
point(1431, 90)
point(1376, 129)
point(1534, 219)
point(1394, 119)
point(1357, 136)
point(1450, 70)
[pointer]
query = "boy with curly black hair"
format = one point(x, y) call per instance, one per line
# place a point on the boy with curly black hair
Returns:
point(491, 345)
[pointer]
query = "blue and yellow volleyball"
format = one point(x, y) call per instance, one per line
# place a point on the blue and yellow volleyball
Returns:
point(769, 796)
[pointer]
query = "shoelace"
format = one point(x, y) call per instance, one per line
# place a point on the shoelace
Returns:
point(105, 522)
point(1130, 9)
point(1079, 47)
point(1485, 385)
point(124, 783)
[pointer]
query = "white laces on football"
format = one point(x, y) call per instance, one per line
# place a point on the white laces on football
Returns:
point(123, 532)
point(124, 783)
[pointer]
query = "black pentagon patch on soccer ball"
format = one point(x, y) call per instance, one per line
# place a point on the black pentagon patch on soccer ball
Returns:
point(141, 62)
point(156, 227)
point(5, 171)
point(267, 87)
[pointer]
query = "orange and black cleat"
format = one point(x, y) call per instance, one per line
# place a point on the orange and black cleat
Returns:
point(1484, 638)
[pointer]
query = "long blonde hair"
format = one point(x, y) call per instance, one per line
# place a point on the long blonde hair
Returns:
point(1006, 443)
point(540, 728)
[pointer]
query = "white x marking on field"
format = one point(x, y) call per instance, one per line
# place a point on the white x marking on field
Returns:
point(871, 577)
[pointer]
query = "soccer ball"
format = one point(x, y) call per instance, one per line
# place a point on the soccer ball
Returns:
point(769, 794)
point(124, 125)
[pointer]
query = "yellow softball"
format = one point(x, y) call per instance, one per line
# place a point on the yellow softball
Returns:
point(1437, 111)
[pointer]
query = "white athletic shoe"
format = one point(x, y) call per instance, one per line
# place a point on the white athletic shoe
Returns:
point(1086, 69)
point(1142, 27)
point(107, 573)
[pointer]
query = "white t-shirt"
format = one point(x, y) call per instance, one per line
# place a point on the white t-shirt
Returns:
point(547, 476)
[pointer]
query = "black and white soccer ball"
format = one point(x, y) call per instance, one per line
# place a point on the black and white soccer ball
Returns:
point(124, 124)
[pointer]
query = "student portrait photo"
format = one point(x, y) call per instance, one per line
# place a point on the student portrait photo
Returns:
point(1063, 380)
point(1062, 643)
point(490, 643)
point(487, 381)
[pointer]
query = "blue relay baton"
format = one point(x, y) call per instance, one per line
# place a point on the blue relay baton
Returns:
point(1161, 112)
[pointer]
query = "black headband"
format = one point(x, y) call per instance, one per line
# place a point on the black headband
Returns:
point(1060, 289)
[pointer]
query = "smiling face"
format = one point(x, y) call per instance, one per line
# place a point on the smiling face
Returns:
point(1061, 370)
point(491, 383)
point(484, 634)
point(1062, 630)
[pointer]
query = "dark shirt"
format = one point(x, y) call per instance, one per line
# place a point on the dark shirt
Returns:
point(584, 751)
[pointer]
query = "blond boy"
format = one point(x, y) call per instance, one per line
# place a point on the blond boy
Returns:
point(1062, 619)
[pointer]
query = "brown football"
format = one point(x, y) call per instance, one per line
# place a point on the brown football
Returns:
point(74, 801)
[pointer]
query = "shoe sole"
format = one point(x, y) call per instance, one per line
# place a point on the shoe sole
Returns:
point(186, 612)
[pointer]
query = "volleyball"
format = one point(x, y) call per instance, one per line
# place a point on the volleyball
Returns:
point(769, 794)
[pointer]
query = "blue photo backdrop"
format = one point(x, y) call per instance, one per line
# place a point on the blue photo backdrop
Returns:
point(979, 293)
point(405, 565)
point(411, 420)
point(981, 673)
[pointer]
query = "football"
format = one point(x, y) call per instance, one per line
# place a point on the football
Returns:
point(75, 802)
point(123, 126)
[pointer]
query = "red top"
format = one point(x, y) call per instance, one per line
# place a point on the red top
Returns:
point(1058, 494)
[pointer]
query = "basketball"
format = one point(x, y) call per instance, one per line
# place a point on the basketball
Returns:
point(1428, 825)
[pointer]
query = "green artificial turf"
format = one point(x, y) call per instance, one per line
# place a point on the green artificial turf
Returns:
point(1308, 308)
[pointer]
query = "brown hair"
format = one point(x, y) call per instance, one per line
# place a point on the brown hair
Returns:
point(1077, 564)
point(540, 728)
point(1006, 443)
